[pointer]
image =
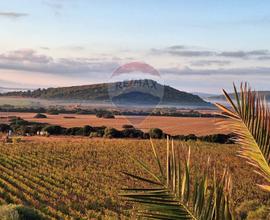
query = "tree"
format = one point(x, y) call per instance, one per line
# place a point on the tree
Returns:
point(74, 131)
point(132, 133)
point(171, 196)
point(156, 133)
point(111, 133)
point(127, 126)
point(191, 137)
point(251, 122)
point(54, 129)
point(19, 212)
point(39, 115)
point(4, 128)
point(87, 130)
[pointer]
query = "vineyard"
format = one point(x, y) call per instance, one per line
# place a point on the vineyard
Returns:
point(79, 178)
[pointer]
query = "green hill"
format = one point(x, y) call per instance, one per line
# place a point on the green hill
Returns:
point(103, 93)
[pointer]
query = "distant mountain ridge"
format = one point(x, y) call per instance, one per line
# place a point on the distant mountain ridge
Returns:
point(100, 92)
point(11, 89)
point(204, 95)
point(265, 94)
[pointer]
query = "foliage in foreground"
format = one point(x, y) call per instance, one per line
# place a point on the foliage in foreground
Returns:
point(18, 212)
point(253, 209)
point(251, 122)
point(172, 195)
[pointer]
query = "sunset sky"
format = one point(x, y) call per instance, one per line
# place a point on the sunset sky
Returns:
point(196, 45)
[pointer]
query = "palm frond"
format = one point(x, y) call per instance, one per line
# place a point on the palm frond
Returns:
point(172, 196)
point(251, 122)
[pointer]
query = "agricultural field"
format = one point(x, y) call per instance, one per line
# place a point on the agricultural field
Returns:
point(80, 178)
point(170, 125)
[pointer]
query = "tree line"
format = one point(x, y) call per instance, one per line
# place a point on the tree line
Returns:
point(20, 126)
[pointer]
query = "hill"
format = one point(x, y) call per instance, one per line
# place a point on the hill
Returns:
point(102, 93)
point(204, 95)
point(5, 89)
point(265, 94)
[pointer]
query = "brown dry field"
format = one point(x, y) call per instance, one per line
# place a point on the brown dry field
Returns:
point(170, 125)
point(58, 173)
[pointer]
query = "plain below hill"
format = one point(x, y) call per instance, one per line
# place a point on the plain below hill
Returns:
point(100, 93)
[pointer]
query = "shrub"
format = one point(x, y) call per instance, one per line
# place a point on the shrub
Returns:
point(104, 114)
point(99, 130)
point(218, 138)
point(261, 213)
point(18, 212)
point(35, 128)
point(179, 137)
point(99, 114)
point(9, 212)
point(4, 128)
point(108, 115)
point(83, 131)
point(87, 130)
point(156, 133)
point(27, 213)
point(132, 133)
point(22, 130)
point(127, 126)
point(245, 207)
point(95, 134)
point(253, 210)
point(111, 133)
point(146, 136)
point(39, 115)
point(18, 121)
point(54, 129)
point(79, 131)
point(74, 131)
point(27, 129)
point(191, 137)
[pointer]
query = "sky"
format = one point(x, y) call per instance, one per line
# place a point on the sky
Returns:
point(196, 45)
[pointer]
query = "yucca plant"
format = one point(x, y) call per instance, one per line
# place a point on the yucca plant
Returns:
point(251, 122)
point(173, 194)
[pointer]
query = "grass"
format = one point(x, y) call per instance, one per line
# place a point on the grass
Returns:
point(67, 178)
point(19, 102)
